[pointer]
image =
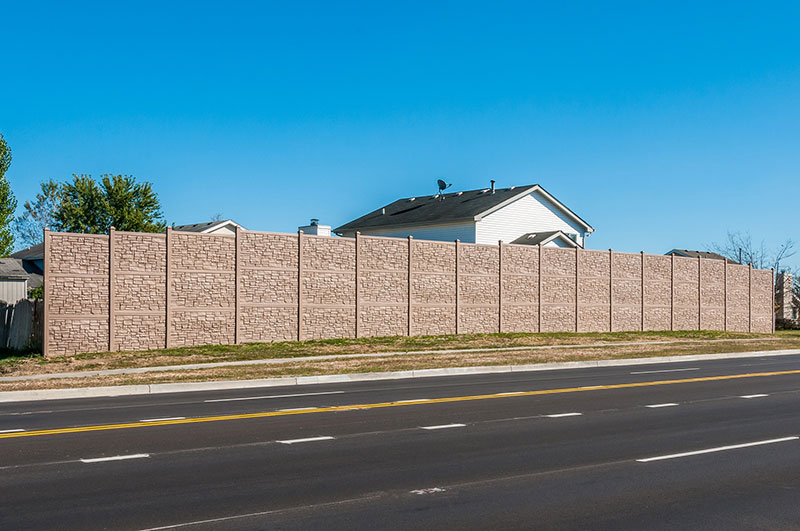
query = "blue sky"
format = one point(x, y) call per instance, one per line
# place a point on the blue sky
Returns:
point(662, 125)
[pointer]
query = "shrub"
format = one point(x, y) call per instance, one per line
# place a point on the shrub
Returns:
point(786, 324)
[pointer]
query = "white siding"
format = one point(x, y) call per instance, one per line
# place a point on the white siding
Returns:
point(445, 232)
point(12, 291)
point(225, 229)
point(530, 213)
point(557, 242)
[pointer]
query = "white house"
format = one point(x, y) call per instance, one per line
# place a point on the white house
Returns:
point(223, 226)
point(519, 214)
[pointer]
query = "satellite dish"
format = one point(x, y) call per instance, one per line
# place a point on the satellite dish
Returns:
point(443, 185)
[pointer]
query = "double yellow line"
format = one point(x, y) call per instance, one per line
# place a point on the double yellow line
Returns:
point(354, 407)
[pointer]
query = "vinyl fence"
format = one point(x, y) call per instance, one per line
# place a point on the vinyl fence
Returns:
point(133, 291)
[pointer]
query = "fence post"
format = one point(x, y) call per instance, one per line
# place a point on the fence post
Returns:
point(750, 297)
point(699, 294)
point(610, 290)
point(458, 309)
point(540, 290)
point(672, 293)
point(168, 298)
point(725, 294)
point(577, 285)
point(773, 299)
point(299, 285)
point(410, 238)
point(111, 280)
point(500, 286)
point(237, 326)
point(358, 252)
point(45, 298)
point(642, 291)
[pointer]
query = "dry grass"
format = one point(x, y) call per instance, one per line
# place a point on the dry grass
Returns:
point(36, 364)
point(709, 345)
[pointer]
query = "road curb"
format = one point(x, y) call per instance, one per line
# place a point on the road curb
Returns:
point(147, 389)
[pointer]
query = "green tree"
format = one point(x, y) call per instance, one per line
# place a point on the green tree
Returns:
point(39, 214)
point(7, 202)
point(116, 201)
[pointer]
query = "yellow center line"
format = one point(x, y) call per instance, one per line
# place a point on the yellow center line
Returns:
point(354, 407)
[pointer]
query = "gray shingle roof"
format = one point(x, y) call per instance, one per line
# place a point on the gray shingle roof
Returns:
point(452, 207)
point(701, 254)
point(197, 227)
point(11, 269)
point(34, 252)
point(200, 227)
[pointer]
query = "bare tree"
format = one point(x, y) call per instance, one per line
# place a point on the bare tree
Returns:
point(739, 247)
point(217, 217)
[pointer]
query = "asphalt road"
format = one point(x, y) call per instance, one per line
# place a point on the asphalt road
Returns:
point(702, 445)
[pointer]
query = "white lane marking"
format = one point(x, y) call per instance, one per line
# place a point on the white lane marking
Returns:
point(12, 431)
point(165, 418)
point(298, 409)
point(718, 449)
point(559, 415)
point(667, 370)
point(412, 400)
point(430, 490)
point(754, 396)
point(668, 404)
point(273, 396)
point(443, 426)
point(591, 387)
point(307, 439)
point(114, 458)
point(511, 393)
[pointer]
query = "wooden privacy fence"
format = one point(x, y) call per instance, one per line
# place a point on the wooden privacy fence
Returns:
point(133, 291)
point(21, 325)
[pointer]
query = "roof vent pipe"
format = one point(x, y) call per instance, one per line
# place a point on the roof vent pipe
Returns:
point(492, 181)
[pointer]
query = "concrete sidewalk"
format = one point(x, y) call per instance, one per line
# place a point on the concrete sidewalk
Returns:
point(278, 361)
point(146, 389)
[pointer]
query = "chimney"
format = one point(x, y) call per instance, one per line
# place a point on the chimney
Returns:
point(315, 229)
point(492, 181)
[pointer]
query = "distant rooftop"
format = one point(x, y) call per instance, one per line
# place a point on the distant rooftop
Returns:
point(34, 252)
point(11, 269)
point(204, 226)
point(442, 208)
point(700, 254)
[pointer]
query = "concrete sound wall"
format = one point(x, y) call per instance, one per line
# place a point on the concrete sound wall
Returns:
point(136, 291)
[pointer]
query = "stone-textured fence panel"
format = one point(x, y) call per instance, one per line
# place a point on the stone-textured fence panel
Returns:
point(134, 291)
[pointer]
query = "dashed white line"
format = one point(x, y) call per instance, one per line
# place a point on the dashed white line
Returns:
point(298, 408)
point(754, 396)
point(511, 393)
point(12, 431)
point(165, 418)
point(443, 426)
point(412, 400)
point(273, 396)
point(559, 415)
point(115, 458)
point(668, 404)
point(667, 370)
point(307, 439)
point(718, 449)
